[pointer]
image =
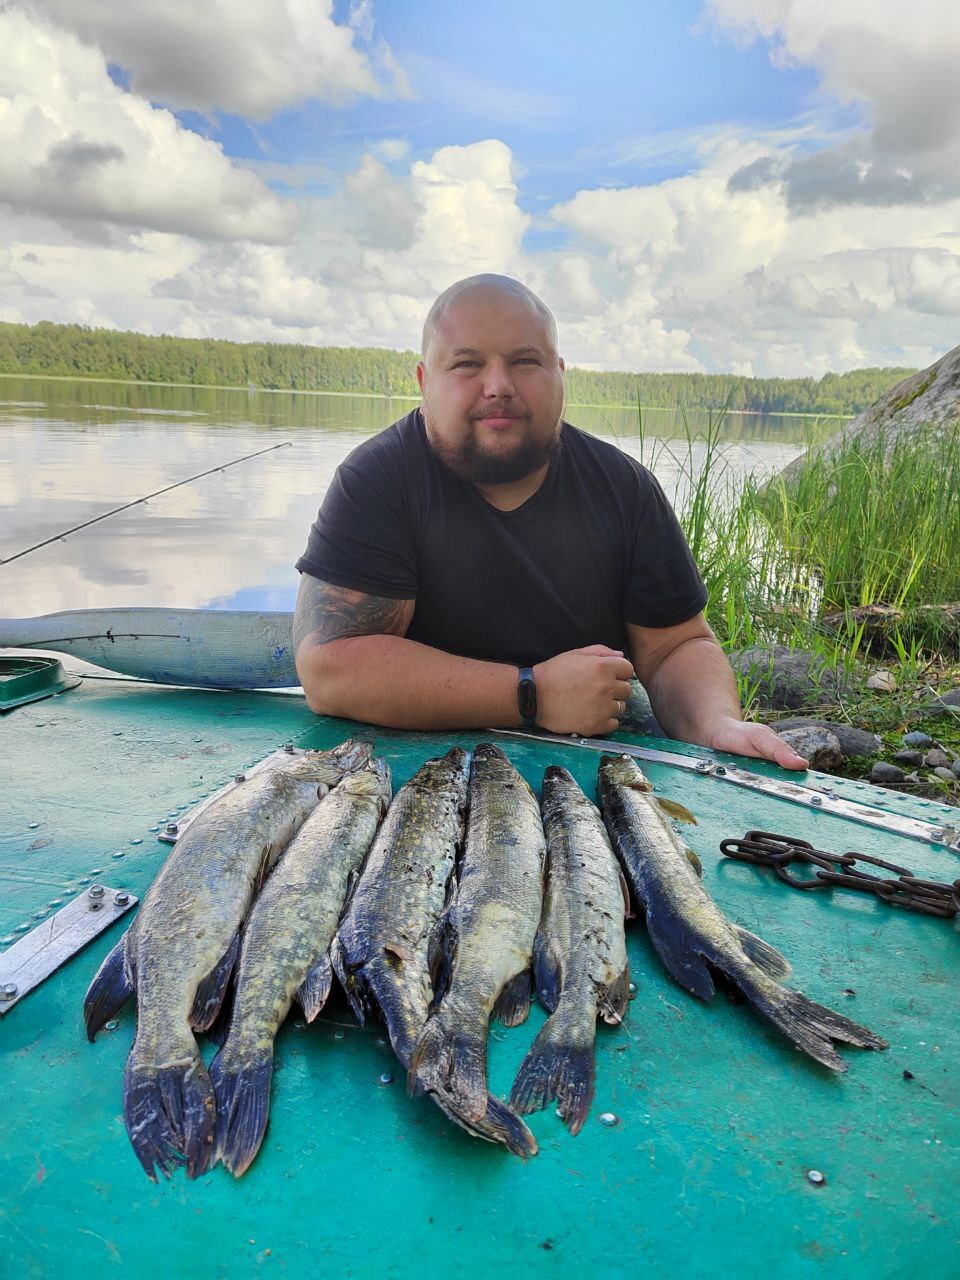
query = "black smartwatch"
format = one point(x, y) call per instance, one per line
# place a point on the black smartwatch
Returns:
point(527, 698)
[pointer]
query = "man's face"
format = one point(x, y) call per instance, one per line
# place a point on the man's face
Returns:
point(492, 386)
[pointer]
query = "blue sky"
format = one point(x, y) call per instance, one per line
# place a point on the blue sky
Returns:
point(719, 185)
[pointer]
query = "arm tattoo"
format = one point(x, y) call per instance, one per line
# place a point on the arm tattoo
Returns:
point(325, 612)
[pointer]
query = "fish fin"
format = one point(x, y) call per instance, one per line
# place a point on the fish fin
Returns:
point(673, 809)
point(810, 1026)
point(612, 1000)
point(213, 988)
point(353, 981)
point(680, 954)
point(695, 862)
point(169, 1113)
point(546, 969)
point(513, 1002)
point(243, 1105)
point(312, 993)
point(441, 949)
point(559, 1065)
point(219, 1029)
point(451, 1058)
point(763, 955)
point(628, 911)
point(109, 991)
point(499, 1124)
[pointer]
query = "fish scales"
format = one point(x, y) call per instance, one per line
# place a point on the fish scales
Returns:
point(178, 954)
point(381, 950)
point(284, 947)
point(485, 937)
point(690, 933)
point(580, 953)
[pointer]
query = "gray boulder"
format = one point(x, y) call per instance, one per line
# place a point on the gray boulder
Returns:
point(784, 679)
point(930, 397)
point(818, 746)
point(853, 742)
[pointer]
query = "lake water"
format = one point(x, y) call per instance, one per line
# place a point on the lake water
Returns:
point(71, 450)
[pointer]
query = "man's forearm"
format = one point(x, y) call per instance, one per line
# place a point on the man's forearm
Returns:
point(692, 689)
point(401, 683)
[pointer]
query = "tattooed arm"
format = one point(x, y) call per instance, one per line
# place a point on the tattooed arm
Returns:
point(353, 660)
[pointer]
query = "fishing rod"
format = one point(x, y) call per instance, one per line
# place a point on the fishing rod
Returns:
point(65, 533)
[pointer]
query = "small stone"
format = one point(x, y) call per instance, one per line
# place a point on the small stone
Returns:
point(956, 768)
point(882, 682)
point(944, 774)
point(917, 739)
point(936, 758)
point(819, 747)
point(883, 772)
point(909, 758)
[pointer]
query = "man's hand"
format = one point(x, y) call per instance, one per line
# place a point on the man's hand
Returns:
point(578, 691)
point(745, 738)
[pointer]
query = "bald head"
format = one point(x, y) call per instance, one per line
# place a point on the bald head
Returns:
point(497, 288)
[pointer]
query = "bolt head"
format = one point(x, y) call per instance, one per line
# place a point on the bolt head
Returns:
point(816, 800)
point(95, 891)
point(240, 777)
point(171, 828)
point(8, 990)
point(121, 898)
point(385, 1079)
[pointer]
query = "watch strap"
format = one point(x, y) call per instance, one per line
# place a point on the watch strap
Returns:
point(527, 697)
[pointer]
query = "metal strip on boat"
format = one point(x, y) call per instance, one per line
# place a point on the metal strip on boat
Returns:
point(822, 799)
point(44, 949)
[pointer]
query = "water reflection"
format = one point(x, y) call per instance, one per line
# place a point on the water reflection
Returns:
point(73, 449)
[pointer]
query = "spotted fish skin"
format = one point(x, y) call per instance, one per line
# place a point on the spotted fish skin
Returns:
point(178, 954)
point(691, 934)
point(284, 947)
point(485, 937)
point(382, 947)
point(580, 953)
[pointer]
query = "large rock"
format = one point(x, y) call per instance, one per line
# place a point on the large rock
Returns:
point(852, 742)
point(931, 396)
point(784, 679)
point(819, 747)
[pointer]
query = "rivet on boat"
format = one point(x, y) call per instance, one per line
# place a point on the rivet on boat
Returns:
point(111, 1025)
point(816, 800)
point(121, 853)
point(815, 1177)
point(7, 940)
point(632, 991)
point(936, 834)
point(97, 871)
point(338, 1035)
point(609, 1119)
point(8, 990)
point(33, 825)
point(720, 770)
point(137, 840)
point(386, 1078)
point(117, 733)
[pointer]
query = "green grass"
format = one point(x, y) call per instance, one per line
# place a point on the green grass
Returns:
point(876, 523)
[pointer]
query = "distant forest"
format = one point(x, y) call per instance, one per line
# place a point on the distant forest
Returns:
point(76, 351)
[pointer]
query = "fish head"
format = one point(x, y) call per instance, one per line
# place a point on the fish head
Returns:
point(325, 768)
point(374, 781)
point(622, 771)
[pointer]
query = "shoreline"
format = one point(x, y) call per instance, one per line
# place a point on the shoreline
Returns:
point(379, 395)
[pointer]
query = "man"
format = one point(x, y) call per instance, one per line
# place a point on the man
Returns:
point(482, 564)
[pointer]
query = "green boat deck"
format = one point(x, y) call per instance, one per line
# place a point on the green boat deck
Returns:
point(720, 1119)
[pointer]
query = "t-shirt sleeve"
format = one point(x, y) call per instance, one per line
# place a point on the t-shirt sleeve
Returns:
point(361, 537)
point(663, 584)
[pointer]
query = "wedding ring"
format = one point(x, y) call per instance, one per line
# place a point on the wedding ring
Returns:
point(621, 708)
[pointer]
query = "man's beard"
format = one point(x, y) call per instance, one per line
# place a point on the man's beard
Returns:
point(469, 462)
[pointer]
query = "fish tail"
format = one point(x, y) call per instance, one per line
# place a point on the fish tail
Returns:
point(560, 1065)
point(450, 1058)
point(243, 1105)
point(169, 1113)
point(109, 990)
point(498, 1124)
point(810, 1026)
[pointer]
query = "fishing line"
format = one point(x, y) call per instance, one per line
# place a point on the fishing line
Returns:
point(65, 533)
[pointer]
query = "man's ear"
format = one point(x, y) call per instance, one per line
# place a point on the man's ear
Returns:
point(562, 363)
point(421, 373)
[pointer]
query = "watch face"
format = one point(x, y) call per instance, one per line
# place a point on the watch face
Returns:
point(527, 699)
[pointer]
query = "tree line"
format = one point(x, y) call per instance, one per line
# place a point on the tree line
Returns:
point(77, 351)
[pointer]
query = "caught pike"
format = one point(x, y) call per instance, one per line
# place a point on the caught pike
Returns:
point(689, 931)
point(179, 952)
point(484, 939)
point(580, 953)
point(381, 949)
point(284, 952)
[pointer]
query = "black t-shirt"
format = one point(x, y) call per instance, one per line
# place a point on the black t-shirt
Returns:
point(597, 546)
